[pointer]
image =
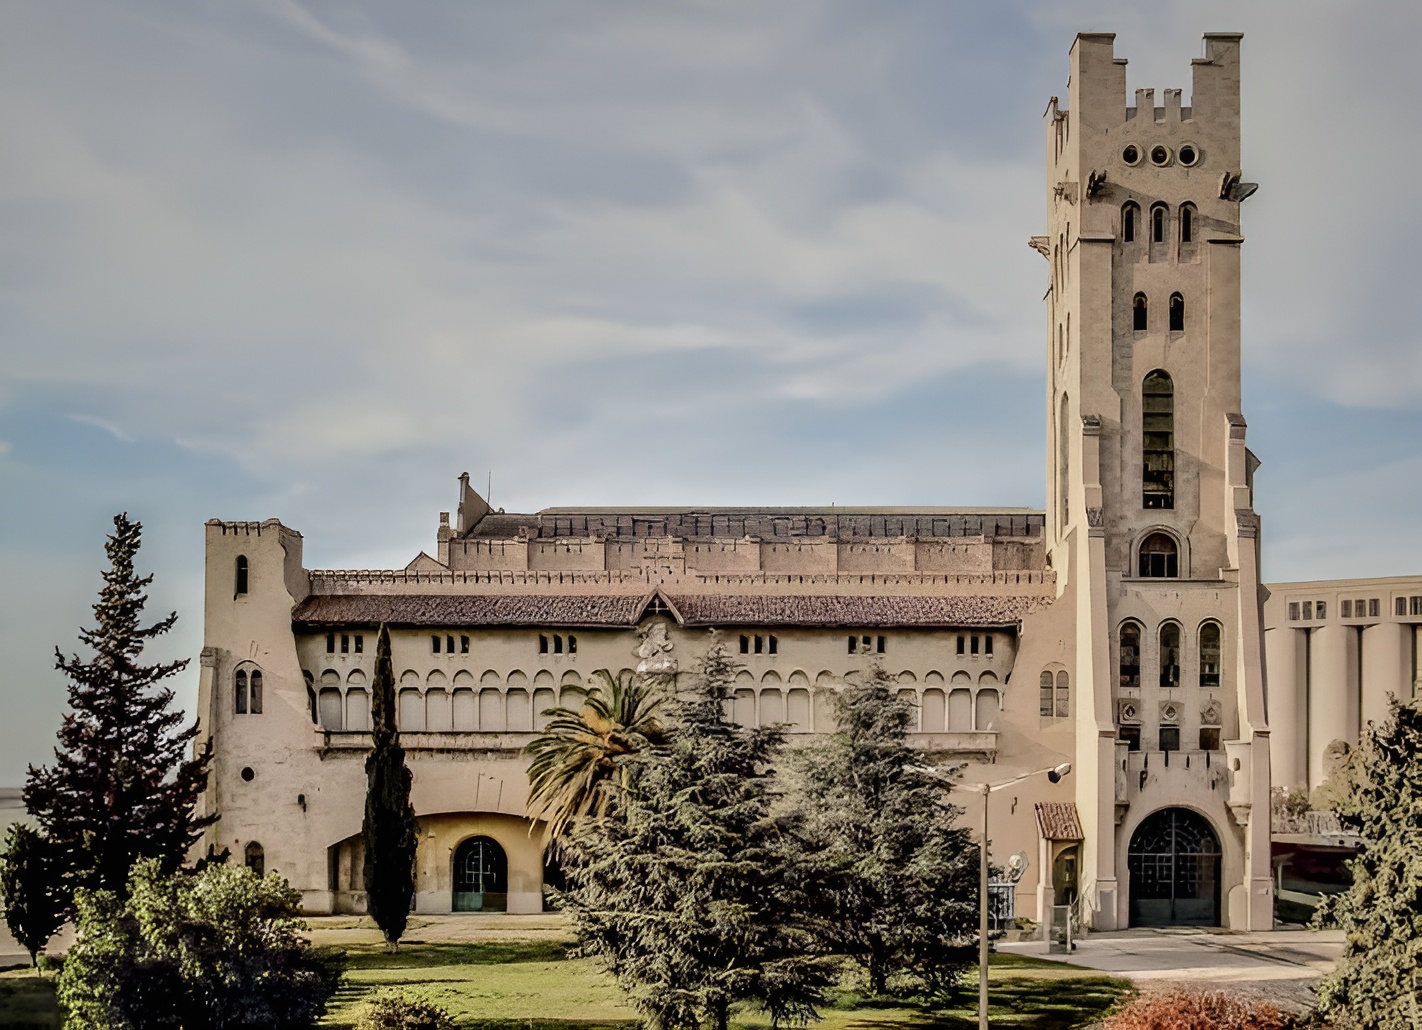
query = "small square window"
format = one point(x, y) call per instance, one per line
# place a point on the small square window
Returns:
point(745, 644)
point(1347, 609)
point(1416, 604)
point(1308, 611)
point(881, 643)
point(1209, 738)
point(434, 643)
point(759, 644)
point(557, 643)
point(962, 642)
point(1132, 736)
point(542, 644)
point(1320, 609)
point(331, 637)
point(1170, 738)
point(987, 645)
point(866, 644)
point(359, 644)
point(973, 645)
point(1374, 608)
point(449, 644)
point(572, 644)
point(853, 641)
point(463, 645)
point(345, 643)
point(1294, 611)
point(1399, 606)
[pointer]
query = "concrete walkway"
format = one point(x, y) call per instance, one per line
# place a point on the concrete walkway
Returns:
point(1278, 965)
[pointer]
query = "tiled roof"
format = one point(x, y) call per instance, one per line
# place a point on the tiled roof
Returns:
point(1057, 820)
point(763, 523)
point(626, 610)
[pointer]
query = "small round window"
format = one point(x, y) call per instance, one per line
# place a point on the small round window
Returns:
point(1189, 155)
point(1131, 154)
point(1159, 155)
point(247, 773)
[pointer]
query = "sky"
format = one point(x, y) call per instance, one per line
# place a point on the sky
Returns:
point(312, 260)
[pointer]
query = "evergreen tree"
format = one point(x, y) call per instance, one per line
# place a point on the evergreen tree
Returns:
point(691, 889)
point(389, 827)
point(907, 900)
point(30, 889)
point(120, 788)
point(1376, 982)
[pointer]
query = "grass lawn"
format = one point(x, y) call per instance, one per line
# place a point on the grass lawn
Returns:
point(509, 984)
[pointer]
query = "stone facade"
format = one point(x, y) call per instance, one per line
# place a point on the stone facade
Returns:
point(1119, 630)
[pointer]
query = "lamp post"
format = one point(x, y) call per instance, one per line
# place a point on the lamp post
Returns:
point(1054, 774)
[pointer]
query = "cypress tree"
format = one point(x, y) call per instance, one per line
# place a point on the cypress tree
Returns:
point(120, 788)
point(1376, 981)
point(389, 827)
point(30, 889)
point(907, 897)
point(691, 888)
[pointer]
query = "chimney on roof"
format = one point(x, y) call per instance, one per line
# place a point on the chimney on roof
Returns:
point(472, 507)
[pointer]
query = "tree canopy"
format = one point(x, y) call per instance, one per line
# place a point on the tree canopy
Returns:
point(30, 888)
point(122, 786)
point(389, 826)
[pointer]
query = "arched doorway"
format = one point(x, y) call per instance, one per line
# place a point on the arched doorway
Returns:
point(481, 876)
point(1174, 861)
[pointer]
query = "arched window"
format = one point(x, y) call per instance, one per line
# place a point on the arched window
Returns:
point(1054, 694)
point(1177, 313)
point(255, 858)
point(573, 644)
point(1210, 654)
point(1170, 654)
point(1159, 557)
point(255, 704)
point(1157, 223)
point(239, 692)
point(1063, 694)
point(241, 583)
point(1046, 705)
point(985, 708)
point(1130, 660)
point(1130, 214)
point(1187, 223)
point(1139, 313)
point(1158, 441)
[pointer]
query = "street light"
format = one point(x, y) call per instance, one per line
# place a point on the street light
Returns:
point(1054, 774)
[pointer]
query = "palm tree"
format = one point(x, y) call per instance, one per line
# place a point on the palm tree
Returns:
point(582, 751)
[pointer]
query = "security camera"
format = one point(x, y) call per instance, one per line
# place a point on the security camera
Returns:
point(1055, 775)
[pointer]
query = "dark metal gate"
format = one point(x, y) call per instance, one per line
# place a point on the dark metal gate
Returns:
point(1174, 862)
point(481, 876)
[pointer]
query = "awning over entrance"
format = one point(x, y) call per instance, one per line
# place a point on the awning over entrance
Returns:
point(1058, 820)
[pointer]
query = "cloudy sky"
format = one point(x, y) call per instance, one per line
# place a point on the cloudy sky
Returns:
point(312, 260)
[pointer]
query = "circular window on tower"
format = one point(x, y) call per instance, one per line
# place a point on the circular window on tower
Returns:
point(1160, 155)
point(1131, 154)
point(1189, 155)
point(247, 773)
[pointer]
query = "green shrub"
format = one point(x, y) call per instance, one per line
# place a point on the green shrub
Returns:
point(401, 1012)
point(222, 948)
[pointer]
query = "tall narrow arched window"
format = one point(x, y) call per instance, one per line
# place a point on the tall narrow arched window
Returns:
point(1130, 214)
point(1170, 654)
point(1045, 686)
point(1210, 654)
point(1159, 557)
point(239, 692)
point(1158, 441)
point(240, 587)
point(1140, 311)
point(1063, 694)
point(1157, 223)
point(1187, 223)
point(1130, 660)
point(255, 693)
point(255, 858)
point(1177, 313)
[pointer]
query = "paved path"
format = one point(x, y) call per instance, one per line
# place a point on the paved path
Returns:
point(1280, 965)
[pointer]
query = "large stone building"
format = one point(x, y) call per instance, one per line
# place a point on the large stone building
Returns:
point(1119, 630)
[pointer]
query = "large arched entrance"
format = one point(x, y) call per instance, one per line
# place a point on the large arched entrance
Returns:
point(481, 876)
point(1174, 861)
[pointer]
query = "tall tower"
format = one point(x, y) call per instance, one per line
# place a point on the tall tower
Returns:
point(1151, 526)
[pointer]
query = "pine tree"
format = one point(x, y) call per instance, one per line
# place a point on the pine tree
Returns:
point(120, 788)
point(30, 889)
point(908, 892)
point(1376, 981)
point(691, 889)
point(389, 827)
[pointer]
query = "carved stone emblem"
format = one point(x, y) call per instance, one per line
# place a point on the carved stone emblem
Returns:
point(655, 652)
point(1094, 518)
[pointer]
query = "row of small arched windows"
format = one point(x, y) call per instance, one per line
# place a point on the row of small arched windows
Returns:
point(1140, 313)
point(1159, 222)
point(1170, 634)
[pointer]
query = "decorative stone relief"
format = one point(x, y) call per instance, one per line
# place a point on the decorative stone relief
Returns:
point(655, 652)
